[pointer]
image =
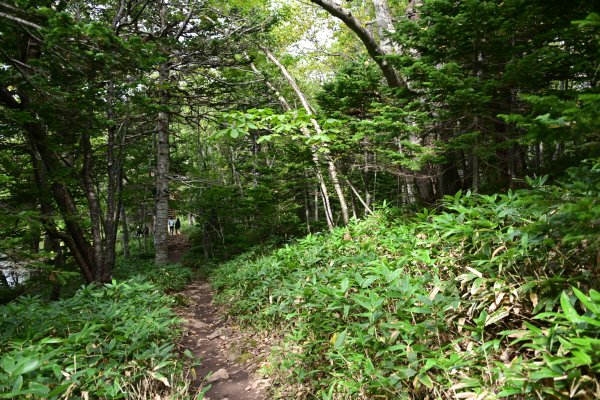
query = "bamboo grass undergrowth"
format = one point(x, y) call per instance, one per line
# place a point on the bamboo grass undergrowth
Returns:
point(485, 297)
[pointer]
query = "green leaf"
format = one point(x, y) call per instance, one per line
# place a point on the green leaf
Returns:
point(8, 364)
point(568, 309)
point(406, 372)
point(425, 380)
point(26, 365)
point(18, 384)
point(341, 338)
point(38, 389)
point(587, 302)
point(495, 317)
point(581, 358)
point(344, 285)
point(510, 392)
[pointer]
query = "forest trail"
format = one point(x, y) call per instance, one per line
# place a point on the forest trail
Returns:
point(228, 356)
point(178, 245)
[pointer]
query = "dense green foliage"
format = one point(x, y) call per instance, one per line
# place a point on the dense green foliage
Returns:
point(481, 298)
point(168, 277)
point(259, 121)
point(116, 341)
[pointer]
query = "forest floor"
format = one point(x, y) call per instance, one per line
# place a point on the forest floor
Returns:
point(230, 357)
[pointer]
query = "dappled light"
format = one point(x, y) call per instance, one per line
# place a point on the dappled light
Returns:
point(322, 199)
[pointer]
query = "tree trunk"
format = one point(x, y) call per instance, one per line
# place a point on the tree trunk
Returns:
point(125, 228)
point(474, 171)
point(332, 168)
point(307, 206)
point(383, 17)
point(162, 171)
point(374, 49)
point(45, 164)
point(314, 150)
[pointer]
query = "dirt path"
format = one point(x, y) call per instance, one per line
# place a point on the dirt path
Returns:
point(229, 357)
point(178, 245)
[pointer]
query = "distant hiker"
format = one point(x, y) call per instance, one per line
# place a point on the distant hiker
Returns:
point(177, 226)
point(139, 232)
point(146, 230)
point(171, 223)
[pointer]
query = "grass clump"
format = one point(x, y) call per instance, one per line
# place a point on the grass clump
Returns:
point(483, 298)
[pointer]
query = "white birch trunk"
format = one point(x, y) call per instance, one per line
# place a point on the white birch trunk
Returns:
point(332, 168)
point(162, 179)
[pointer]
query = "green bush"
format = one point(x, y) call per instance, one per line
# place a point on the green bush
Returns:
point(410, 307)
point(103, 343)
point(563, 356)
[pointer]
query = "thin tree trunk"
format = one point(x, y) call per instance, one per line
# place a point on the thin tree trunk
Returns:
point(314, 150)
point(474, 171)
point(363, 202)
point(366, 179)
point(325, 199)
point(125, 228)
point(307, 208)
point(332, 168)
point(162, 170)
point(316, 203)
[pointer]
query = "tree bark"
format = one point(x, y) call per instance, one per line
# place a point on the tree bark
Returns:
point(383, 17)
point(162, 170)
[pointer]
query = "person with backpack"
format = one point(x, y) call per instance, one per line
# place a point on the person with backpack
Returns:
point(177, 226)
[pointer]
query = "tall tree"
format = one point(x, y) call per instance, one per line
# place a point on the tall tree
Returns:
point(53, 93)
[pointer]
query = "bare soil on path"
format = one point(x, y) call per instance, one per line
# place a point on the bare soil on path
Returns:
point(229, 356)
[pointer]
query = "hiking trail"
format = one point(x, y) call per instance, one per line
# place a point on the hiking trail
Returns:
point(229, 356)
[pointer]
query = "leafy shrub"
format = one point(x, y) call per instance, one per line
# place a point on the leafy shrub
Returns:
point(562, 358)
point(98, 343)
point(410, 307)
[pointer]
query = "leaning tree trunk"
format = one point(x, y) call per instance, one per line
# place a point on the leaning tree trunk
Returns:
point(373, 47)
point(314, 154)
point(332, 168)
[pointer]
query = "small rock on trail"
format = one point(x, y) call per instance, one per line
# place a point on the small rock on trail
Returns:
point(220, 375)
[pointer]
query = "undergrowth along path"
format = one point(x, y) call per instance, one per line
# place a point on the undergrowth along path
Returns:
point(229, 357)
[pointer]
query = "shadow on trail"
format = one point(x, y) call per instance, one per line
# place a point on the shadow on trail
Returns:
point(229, 357)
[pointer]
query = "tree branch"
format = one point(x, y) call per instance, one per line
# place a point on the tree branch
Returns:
point(371, 44)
